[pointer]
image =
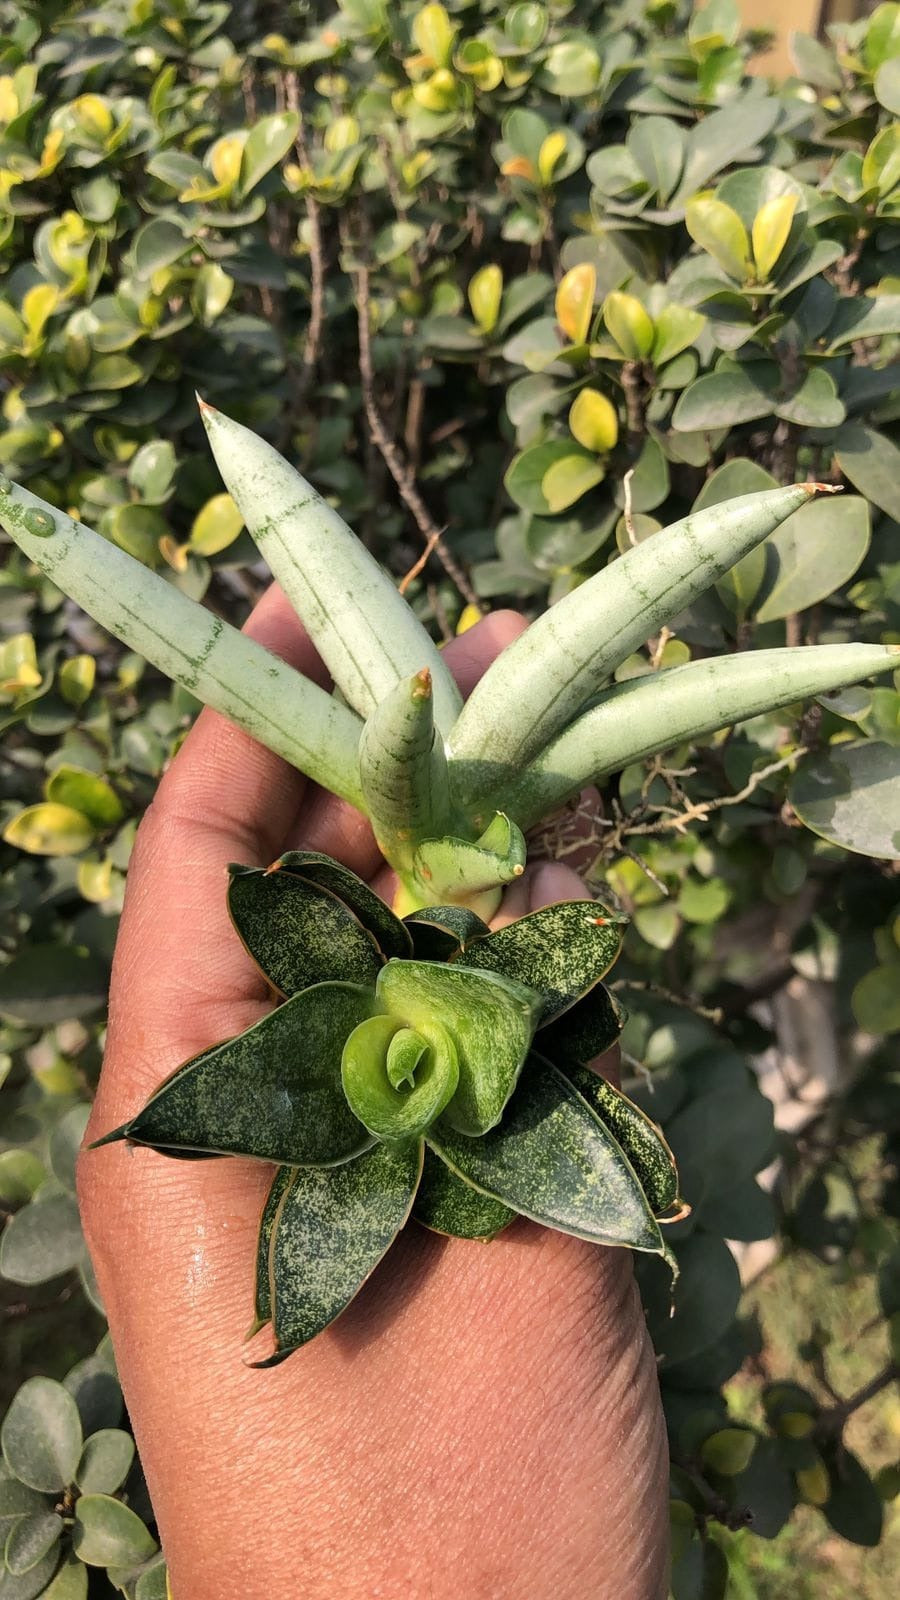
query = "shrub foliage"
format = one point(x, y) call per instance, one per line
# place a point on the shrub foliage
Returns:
point(516, 286)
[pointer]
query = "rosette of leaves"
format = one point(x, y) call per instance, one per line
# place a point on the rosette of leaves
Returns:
point(425, 1068)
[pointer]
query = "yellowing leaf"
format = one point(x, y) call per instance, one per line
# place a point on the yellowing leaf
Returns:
point(342, 134)
point(433, 34)
point(468, 617)
point(550, 154)
point(437, 93)
point(717, 228)
point(86, 793)
point(225, 159)
point(76, 679)
point(9, 100)
point(575, 301)
point(49, 829)
point(485, 291)
point(95, 880)
point(19, 670)
point(216, 526)
point(519, 167)
point(38, 305)
point(629, 324)
point(93, 115)
point(594, 421)
point(771, 227)
point(567, 480)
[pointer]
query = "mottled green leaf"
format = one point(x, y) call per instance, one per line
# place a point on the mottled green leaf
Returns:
point(850, 794)
point(299, 933)
point(553, 1160)
point(490, 1019)
point(641, 1139)
point(332, 1229)
point(560, 950)
point(439, 932)
point(593, 1024)
point(263, 1303)
point(388, 931)
point(41, 1435)
point(107, 1533)
point(445, 1204)
point(273, 1092)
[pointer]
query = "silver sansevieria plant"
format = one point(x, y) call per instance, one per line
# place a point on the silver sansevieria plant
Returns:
point(418, 1064)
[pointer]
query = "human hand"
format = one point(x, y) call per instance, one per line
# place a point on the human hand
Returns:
point(483, 1421)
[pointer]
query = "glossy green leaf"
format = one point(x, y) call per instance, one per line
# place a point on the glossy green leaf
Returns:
point(151, 470)
point(674, 330)
point(525, 475)
point(553, 1160)
point(850, 794)
point(105, 1461)
point(872, 463)
point(274, 1092)
point(388, 931)
point(282, 1180)
point(641, 1139)
point(29, 1540)
point(720, 139)
point(887, 85)
point(725, 399)
point(438, 932)
point(657, 144)
point(445, 1204)
point(813, 554)
point(591, 1026)
point(41, 1435)
point(157, 244)
point(815, 404)
point(398, 1080)
point(298, 932)
point(267, 143)
point(107, 1533)
point(332, 1229)
point(560, 950)
point(490, 1019)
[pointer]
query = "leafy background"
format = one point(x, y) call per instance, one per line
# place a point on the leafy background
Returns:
point(481, 263)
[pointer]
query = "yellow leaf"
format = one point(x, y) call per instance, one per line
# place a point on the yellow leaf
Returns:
point(224, 159)
point(437, 93)
point(174, 553)
point(38, 304)
point(92, 112)
point(575, 301)
point(51, 153)
point(9, 100)
point(594, 421)
point(717, 228)
point(468, 618)
point(49, 829)
point(550, 154)
point(216, 526)
point(18, 665)
point(485, 291)
point(769, 234)
point(342, 134)
point(76, 679)
point(95, 880)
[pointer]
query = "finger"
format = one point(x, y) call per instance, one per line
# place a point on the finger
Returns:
point(337, 829)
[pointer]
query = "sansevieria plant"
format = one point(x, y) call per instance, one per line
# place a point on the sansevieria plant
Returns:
point(418, 1064)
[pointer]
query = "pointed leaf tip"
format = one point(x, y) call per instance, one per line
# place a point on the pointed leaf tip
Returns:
point(422, 685)
point(111, 1138)
point(823, 488)
point(206, 410)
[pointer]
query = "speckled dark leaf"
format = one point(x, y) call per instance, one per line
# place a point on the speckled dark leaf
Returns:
point(553, 1160)
point(561, 950)
point(390, 935)
point(331, 1231)
point(263, 1304)
point(273, 1092)
point(445, 1204)
point(591, 1026)
point(298, 933)
point(490, 1018)
point(439, 932)
point(641, 1140)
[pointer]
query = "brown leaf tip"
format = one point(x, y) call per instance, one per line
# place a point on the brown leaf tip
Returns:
point(823, 488)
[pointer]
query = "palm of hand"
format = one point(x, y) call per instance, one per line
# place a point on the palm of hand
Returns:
point(483, 1421)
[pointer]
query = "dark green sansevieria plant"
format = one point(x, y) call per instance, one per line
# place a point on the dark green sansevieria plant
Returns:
point(418, 1063)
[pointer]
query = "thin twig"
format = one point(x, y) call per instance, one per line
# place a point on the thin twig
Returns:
point(832, 1422)
point(397, 467)
point(312, 344)
point(685, 1001)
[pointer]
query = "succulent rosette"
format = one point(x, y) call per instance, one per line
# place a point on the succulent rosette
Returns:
point(424, 1068)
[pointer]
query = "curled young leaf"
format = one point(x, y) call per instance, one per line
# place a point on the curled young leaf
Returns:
point(398, 1080)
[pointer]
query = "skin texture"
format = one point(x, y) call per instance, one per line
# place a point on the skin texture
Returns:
point(483, 1422)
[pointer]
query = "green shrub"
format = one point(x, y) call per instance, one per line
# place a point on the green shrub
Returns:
point(542, 277)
